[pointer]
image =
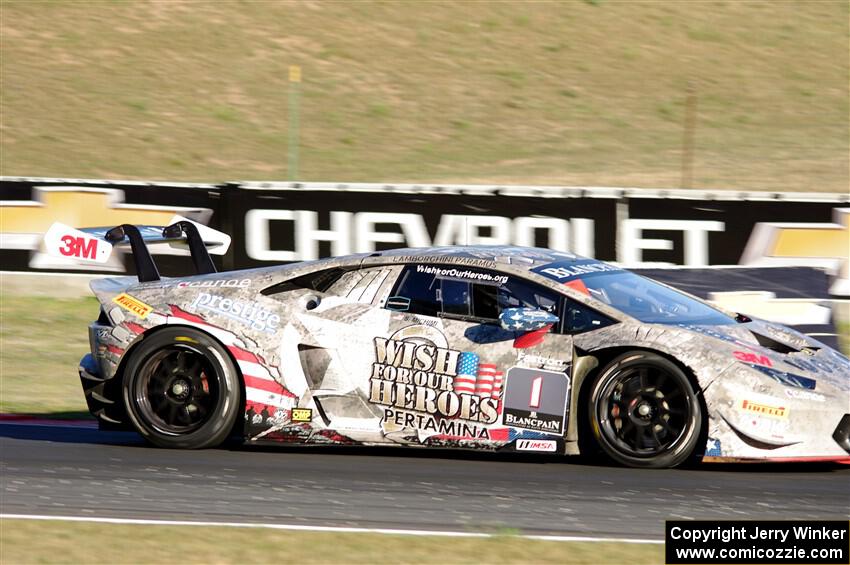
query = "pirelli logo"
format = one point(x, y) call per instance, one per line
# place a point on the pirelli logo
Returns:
point(778, 412)
point(134, 305)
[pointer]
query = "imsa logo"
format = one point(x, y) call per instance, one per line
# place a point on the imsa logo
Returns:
point(547, 445)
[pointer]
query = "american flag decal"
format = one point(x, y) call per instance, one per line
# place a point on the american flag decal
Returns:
point(474, 377)
point(497, 385)
point(486, 378)
point(467, 373)
point(262, 391)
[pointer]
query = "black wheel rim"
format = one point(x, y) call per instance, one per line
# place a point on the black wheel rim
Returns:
point(644, 411)
point(176, 390)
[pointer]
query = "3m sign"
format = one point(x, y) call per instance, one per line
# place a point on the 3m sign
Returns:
point(64, 241)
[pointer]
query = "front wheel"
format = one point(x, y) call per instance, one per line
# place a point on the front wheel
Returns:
point(644, 411)
point(181, 389)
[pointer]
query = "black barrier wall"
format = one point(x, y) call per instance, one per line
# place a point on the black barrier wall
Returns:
point(303, 224)
point(29, 206)
point(280, 222)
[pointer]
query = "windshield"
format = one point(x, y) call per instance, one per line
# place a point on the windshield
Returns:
point(647, 300)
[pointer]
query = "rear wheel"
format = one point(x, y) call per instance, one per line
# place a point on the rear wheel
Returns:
point(644, 412)
point(181, 389)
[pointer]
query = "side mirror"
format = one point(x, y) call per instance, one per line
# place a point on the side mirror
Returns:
point(525, 319)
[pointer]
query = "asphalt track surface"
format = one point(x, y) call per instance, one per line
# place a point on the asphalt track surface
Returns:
point(60, 470)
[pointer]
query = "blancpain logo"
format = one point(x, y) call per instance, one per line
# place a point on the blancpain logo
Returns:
point(532, 423)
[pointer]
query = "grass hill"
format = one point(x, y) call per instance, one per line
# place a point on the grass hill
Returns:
point(579, 92)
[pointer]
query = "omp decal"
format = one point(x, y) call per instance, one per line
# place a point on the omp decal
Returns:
point(133, 305)
point(302, 415)
point(303, 528)
point(565, 270)
point(246, 313)
point(547, 445)
point(536, 400)
point(749, 357)
point(777, 412)
point(804, 244)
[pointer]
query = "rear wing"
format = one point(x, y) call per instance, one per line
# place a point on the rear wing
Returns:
point(96, 244)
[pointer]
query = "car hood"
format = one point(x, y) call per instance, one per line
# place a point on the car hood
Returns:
point(780, 352)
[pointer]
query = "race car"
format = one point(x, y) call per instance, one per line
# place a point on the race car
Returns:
point(486, 348)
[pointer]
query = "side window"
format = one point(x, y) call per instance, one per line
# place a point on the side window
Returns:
point(467, 293)
point(359, 285)
point(485, 301)
point(420, 289)
point(367, 286)
point(581, 318)
point(517, 293)
point(319, 281)
point(454, 297)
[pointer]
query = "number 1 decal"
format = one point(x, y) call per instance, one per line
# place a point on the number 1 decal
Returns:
point(526, 408)
point(536, 387)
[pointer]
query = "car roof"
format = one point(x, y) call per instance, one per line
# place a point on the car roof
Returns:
point(517, 256)
point(506, 258)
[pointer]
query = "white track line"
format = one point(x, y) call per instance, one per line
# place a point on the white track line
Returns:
point(295, 527)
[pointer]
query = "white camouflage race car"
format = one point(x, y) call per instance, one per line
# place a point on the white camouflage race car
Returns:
point(486, 348)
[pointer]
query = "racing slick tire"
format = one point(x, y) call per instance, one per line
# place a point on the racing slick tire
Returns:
point(644, 411)
point(181, 389)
